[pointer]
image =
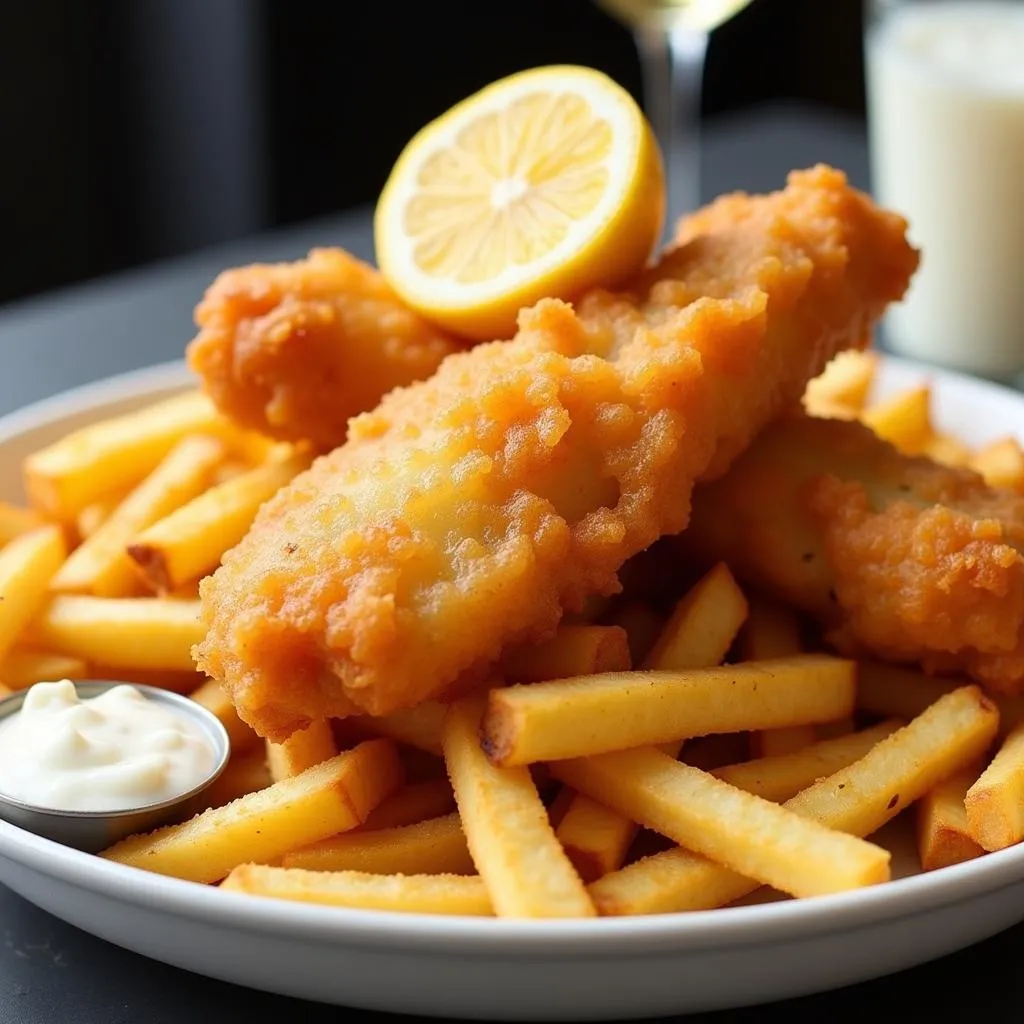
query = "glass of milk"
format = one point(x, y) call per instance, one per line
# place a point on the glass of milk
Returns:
point(945, 85)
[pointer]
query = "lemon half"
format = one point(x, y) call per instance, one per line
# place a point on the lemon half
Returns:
point(545, 183)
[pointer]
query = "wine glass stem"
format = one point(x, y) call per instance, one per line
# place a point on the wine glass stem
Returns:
point(673, 69)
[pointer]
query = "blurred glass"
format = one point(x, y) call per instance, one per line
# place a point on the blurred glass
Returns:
point(945, 90)
point(672, 39)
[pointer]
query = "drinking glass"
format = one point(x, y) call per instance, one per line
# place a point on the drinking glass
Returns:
point(945, 91)
point(672, 40)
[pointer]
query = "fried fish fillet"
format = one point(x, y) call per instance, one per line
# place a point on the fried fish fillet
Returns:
point(296, 349)
point(470, 511)
point(900, 557)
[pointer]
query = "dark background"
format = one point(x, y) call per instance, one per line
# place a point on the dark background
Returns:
point(136, 129)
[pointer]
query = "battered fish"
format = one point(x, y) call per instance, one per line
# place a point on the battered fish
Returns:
point(296, 349)
point(900, 557)
point(470, 511)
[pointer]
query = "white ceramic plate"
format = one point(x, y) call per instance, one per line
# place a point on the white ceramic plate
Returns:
point(519, 970)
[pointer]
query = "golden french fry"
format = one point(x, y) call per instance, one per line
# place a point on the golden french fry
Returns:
point(214, 698)
point(25, 666)
point(995, 803)
point(163, 679)
point(433, 847)
point(574, 650)
point(262, 826)
point(112, 455)
point(413, 803)
point(718, 750)
point(1001, 464)
point(943, 834)
point(595, 838)
point(779, 777)
point(772, 742)
point(948, 450)
point(122, 632)
point(894, 692)
point(243, 774)
point(698, 634)
point(858, 799)
point(15, 521)
point(412, 894)
point(559, 806)
point(703, 625)
point(642, 625)
point(842, 390)
point(743, 832)
point(525, 870)
point(190, 541)
point(301, 750)
point(618, 710)
point(27, 564)
point(833, 730)
point(418, 727)
point(905, 420)
point(100, 565)
point(94, 515)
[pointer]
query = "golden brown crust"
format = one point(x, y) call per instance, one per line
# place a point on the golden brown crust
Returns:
point(296, 349)
point(468, 512)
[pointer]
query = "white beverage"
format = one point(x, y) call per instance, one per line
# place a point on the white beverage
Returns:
point(946, 115)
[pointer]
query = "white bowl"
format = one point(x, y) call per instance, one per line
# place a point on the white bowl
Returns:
point(519, 970)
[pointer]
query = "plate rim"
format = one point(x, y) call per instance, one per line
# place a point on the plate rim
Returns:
point(708, 930)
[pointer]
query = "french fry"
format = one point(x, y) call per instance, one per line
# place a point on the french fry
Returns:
point(1001, 463)
point(525, 870)
point(113, 455)
point(995, 803)
point(702, 626)
point(163, 679)
point(642, 625)
point(773, 742)
point(263, 826)
point(100, 565)
point(15, 521)
point(743, 832)
point(214, 698)
point(894, 692)
point(594, 714)
point(243, 774)
point(27, 565)
point(121, 632)
point(433, 847)
point(718, 750)
point(781, 776)
point(559, 806)
point(576, 650)
point(771, 631)
point(301, 750)
point(842, 390)
point(857, 799)
point(948, 450)
point(698, 634)
point(413, 803)
point(94, 515)
point(412, 894)
point(418, 727)
point(905, 420)
point(595, 838)
point(190, 541)
point(943, 835)
point(24, 666)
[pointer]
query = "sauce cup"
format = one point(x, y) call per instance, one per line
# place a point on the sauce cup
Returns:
point(93, 831)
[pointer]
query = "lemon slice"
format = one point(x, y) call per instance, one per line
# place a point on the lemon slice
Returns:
point(542, 184)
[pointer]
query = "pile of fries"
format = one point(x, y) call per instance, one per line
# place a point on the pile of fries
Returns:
point(645, 764)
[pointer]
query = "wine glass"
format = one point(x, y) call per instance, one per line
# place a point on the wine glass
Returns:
point(672, 39)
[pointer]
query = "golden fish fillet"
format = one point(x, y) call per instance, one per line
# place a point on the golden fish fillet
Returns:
point(470, 511)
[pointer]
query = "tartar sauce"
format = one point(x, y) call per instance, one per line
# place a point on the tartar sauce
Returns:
point(113, 752)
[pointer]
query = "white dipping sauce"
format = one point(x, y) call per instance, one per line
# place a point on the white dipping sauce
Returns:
point(113, 752)
point(946, 114)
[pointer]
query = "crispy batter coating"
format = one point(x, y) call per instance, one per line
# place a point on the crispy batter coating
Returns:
point(471, 511)
point(296, 349)
point(903, 558)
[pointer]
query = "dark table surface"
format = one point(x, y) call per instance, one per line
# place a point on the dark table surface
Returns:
point(50, 971)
